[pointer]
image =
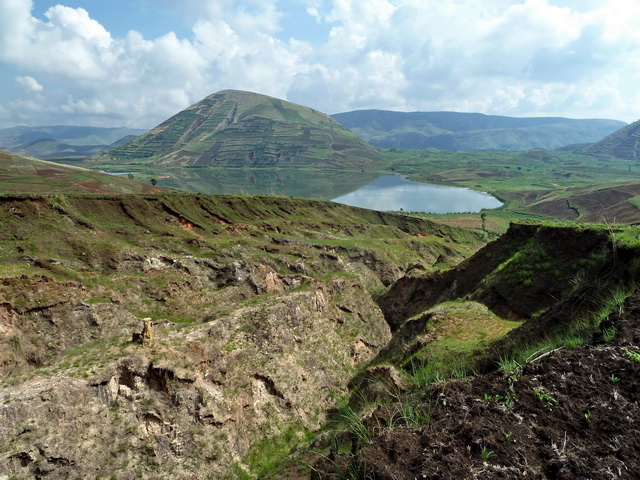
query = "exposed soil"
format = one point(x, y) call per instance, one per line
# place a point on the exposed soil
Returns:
point(569, 414)
point(262, 309)
point(587, 205)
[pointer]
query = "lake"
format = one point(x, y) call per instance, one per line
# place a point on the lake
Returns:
point(321, 184)
point(357, 188)
point(393, 192)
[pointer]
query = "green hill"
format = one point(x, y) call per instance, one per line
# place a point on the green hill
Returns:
point(20, 174)
point(623, 143)
point(62, 141)
point(471, 131)
point(51, 149)
point(244, 129)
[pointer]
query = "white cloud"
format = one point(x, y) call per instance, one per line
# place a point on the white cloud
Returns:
point(511, 57)
point(30, 84)
point(494, 56)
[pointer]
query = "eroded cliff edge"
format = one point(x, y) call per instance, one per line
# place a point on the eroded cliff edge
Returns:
point(262, 310)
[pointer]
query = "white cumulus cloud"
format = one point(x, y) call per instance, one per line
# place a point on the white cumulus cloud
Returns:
point(576, 58)
point(29, 83)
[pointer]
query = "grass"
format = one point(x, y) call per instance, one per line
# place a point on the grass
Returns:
point(267, 454)
point(633, 356)
point(455, 334)
point(409, 411)
point(587, 324)
point(487, 454)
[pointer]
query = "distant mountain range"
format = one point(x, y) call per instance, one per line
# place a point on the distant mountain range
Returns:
point(472, 131)
point(243, 129)
point(62, 141)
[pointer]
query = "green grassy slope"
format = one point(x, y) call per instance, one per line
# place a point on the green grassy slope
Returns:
point(556, 184)
point(29, 175)
point(537, 289)
point(243, 129)
point(471, 131)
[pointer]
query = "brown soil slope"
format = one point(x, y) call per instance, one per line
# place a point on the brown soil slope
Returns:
point(569, 414)
point(615, 204)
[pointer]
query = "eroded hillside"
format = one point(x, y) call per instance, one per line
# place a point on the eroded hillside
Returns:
point(520, 362)
point(262, 310)
point(304, 339)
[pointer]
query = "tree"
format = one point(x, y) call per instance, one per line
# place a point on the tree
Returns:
point(154, 182)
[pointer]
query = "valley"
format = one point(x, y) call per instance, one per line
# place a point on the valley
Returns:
point(239, 142)
point(262, 309)
point(298, 338)
point(301, 339)
point(534, 184)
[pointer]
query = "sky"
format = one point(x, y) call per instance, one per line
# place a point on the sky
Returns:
point(137, 62)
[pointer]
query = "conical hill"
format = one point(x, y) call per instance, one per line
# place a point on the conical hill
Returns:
point(244, 129)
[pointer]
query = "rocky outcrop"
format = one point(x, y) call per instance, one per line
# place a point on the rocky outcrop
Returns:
point(205, 402)
point(262, 312)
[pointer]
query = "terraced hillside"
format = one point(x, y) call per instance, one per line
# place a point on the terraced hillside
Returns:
point(624, 144)
point(243, 129)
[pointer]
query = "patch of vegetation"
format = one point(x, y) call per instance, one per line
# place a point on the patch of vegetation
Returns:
point(544, 397)
point(268, 454)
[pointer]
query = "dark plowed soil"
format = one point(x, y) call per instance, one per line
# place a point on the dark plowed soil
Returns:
point(571, 414)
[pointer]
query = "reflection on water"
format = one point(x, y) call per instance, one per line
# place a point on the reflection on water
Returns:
point(293, 183)
point(357, 188)
point(392, 192)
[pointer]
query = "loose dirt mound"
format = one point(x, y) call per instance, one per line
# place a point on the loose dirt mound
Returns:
point(569, 414)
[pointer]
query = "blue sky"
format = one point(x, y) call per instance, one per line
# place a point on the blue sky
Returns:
point(137, 62)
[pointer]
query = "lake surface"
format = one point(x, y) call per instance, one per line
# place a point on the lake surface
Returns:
point(357, 188)
point(393, 192)
point(321, 184)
